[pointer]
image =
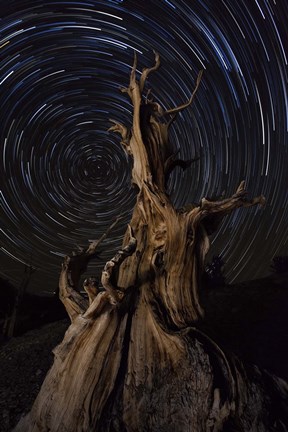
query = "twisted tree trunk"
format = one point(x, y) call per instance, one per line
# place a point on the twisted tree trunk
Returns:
point(131, 359)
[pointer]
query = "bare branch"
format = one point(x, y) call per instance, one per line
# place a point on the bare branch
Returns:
point(132, 82)
point(182, 107)
point(228, 204)
point(172, 163)
point(112, 265)
point(133, 70)
point(124, 89)
point(75, 304)
point(147, 71)
point(124, 132)
point(119, 128)
point(148, 100)
point(72, 269)
point(94, 245)
point(172, 119)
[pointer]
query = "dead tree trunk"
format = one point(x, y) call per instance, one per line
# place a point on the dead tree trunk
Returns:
point(131, 359)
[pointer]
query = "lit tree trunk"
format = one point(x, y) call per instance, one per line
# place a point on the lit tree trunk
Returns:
point(131, 359)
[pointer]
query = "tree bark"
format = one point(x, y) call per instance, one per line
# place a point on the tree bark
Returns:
point(132, 359)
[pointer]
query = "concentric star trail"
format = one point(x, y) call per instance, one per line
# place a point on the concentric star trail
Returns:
point(64, 178)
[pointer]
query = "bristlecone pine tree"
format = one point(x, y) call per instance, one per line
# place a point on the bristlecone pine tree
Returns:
point(132, 359)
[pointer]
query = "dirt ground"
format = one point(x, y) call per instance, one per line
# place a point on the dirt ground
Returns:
point(24, 362)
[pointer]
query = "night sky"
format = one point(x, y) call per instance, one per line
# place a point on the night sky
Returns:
point(64, 178)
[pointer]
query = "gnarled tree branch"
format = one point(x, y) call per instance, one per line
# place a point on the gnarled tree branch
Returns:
point(125, 134)
point(72, 269)
point(112, 266)
point(186, 105)
point(172, 163)
point(226, 205)
point(147, 71)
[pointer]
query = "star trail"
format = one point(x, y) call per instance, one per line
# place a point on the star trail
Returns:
point(65, 178)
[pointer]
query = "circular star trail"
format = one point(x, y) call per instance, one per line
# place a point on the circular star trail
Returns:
point(65, 178)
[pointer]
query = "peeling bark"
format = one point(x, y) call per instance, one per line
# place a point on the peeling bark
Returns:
point(132, 359)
